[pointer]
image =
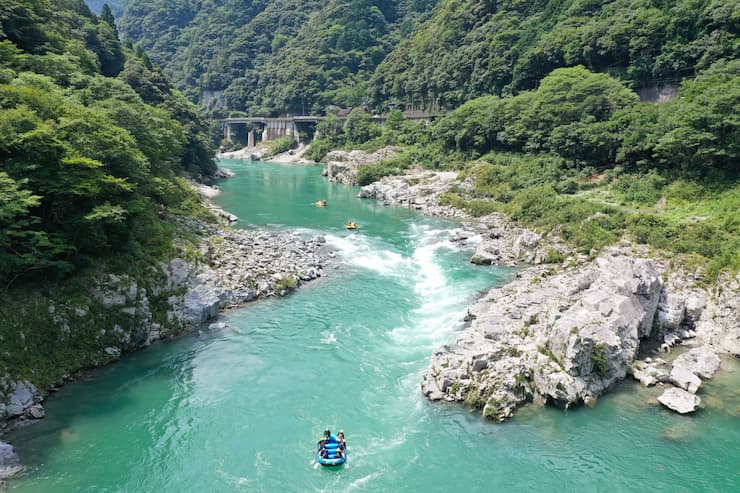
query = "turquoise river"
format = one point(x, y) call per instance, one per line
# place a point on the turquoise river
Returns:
point(240, 409)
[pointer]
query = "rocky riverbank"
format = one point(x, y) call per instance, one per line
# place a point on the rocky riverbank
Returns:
point(497, 240)
point(114, 314)
point(342, 166)
point(564, 332)
point(262, 152)
point(565, 335)
point(246, 154)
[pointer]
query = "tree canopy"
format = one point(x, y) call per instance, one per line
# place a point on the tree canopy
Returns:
point(91, 143)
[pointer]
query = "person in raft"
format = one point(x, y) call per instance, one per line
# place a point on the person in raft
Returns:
point(324, 454)
point(321, 443)
point(342, 441)
point(339, 453)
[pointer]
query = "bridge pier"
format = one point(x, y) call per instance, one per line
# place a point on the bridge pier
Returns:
point(250, 138)
point(276, 128)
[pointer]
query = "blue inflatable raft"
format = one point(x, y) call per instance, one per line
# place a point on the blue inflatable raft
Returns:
point(332, 458)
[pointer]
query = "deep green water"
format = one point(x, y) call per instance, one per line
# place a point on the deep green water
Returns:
point(240, 409)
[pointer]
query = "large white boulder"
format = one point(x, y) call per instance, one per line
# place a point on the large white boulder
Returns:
point(679, 400)
point(681, 377)
point(701, 361)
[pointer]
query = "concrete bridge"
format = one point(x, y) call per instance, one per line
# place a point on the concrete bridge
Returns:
point(293, 126)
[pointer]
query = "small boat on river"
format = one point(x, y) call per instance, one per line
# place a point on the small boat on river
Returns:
point(320, 203)
point(332, 450)
point(351, 225)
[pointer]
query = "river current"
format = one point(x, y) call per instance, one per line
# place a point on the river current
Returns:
point(241, 409)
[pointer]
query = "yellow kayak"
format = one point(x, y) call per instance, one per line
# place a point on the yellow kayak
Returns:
point(351, 225)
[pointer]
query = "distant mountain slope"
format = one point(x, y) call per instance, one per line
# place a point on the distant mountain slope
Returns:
point(474, 47)
point(275, 56)
point(270, 56)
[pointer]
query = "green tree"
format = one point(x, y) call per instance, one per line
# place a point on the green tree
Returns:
point(359, 127)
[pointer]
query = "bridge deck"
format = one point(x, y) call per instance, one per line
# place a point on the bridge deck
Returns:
point(261, 120)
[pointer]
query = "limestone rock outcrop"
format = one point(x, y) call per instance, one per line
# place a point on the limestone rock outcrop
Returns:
point(420, 190)
point(562, 338)
point(341, 166)
point(18, 397)
point(701, 361)
point(9, 463)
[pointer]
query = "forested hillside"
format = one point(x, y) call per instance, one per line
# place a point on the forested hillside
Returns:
point(275, 56)
point(93, 139)
point(271, 56)
point(581, 157)
point(474, 47)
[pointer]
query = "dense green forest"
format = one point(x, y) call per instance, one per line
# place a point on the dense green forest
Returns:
point(544, 115)
point(470, 48)
point(93, 141)
point(293, 56)
point(274, 56)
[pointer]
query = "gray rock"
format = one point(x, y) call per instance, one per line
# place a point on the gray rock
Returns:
point(679, 400)
point(222, 173)
point(420, 191)
point(113, 351)
point(9, 464)
point(178, 272)
point(671, 310)
point(23, 395)
point(201, 304)
point(681, 377)
point(649, 373)
point(35, 412)
point(342, 165)
point(562, 338)
point(695, 301)
point(712, 315)
point(702, 362)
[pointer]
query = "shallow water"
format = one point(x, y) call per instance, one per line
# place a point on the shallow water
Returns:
point(240, 409)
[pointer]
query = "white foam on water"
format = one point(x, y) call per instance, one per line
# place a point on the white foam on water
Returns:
point(361, 251)
point(441, 305)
